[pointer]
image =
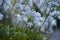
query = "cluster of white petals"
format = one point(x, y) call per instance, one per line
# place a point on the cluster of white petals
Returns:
point(23, 12)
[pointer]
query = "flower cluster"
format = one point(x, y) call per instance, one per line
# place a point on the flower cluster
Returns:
point(23, 12)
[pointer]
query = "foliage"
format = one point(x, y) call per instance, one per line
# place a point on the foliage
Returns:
point(58, 8)
point(9, 32)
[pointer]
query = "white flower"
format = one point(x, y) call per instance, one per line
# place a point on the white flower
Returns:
point(27, 8)
point(24, 13)
point(17, 15)
point(19, 6)
point(30, 2)
point(37, 23)
point(55, 3)
point(7, 4)
point(58, 13)
point(42, 5)
point(25, 19)
point(34, 1)
point(53, 22)
point(33, 13)
point(6, 7)
point(50, 19)
point(41, 18)
point(21, 1)
point(53, 13)
point(47, 11)
point(17, 18)
point(42, 2)
point(7, 1)
point(1, 16)
point(36, 19)
point(38, 14)
point(30, 24)
point(28, 12)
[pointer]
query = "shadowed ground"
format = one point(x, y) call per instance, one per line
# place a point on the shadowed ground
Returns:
point(55, 35)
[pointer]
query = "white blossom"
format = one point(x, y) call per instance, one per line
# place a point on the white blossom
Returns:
point(54, 22)
point(37, 23)
point(17, 18)
point(8, 1)
point(19, 6)
point(20, 1)
point(25, 19)
point(30, 24)
point(6, 7)
point(53, 13)
point(30, 3)
point(7, 4)
point(1, 16)
point(27, 8)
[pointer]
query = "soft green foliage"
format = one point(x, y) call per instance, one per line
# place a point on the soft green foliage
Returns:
point(58, 8)
point(9, 32)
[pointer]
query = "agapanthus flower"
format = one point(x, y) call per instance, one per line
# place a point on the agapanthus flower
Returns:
point(30, 24)
point(1, 16)
point(25, 19)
